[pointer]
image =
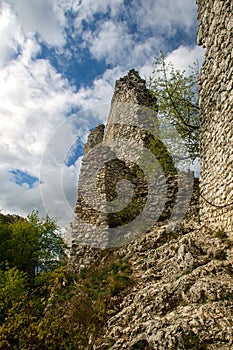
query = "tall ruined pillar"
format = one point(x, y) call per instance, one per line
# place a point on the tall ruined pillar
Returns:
point(215, 34)
point(109, 161)
point(129, 178)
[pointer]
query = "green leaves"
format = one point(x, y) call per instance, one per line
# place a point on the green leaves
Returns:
point(12, 291)
point(32, 257)
point(32, 245)
point(177, 99)
point(55, 308)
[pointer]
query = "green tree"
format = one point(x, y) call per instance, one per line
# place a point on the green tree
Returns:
point(24, 323)
point(32, 245)
point(12, 291)
point(177, 100)
point(32, 274)
point(5, 238)
point(64, 310)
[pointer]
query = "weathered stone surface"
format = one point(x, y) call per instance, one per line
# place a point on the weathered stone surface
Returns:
point(94, 138)
point(127, 152)
point(215, 33)
point(182, 293)
point(132, 89)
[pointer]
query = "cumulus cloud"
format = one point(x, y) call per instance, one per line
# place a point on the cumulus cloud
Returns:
point(42, 17)
point(31, 95)
point(113, 43)
point(11, 37)
point(17, 199)
point(35, 102)
point(138, 33)
point(38, 131)
point(164, 16)
point(110, 42)
point(183, 57)
point(86, 10)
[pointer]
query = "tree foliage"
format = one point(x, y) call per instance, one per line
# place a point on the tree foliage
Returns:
point(177, 99)
point(64, 310)
point(31, 244)
point(44, 303)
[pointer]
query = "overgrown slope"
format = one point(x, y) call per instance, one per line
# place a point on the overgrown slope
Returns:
point(167, 290)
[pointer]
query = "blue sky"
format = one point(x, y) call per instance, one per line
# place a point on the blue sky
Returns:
point(59, 60)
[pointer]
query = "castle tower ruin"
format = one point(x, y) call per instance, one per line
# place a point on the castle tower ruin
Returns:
point(128, 180)
point(215, 34)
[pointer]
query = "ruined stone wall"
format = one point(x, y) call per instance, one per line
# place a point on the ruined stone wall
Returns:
point(128, 180)
point(215, 34)
point(110, 163)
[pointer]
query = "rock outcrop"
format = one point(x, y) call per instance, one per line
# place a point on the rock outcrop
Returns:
point(182, 297)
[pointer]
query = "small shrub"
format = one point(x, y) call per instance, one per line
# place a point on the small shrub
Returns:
point(221, 234)
point(141, 345)
point(226, 295)
point(192, 341)
point(222, 255)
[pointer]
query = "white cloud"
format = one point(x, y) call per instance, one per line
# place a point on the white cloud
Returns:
point(164, 16)
point(31, 95)
point(87, 9)
point(10, 34)
point(110, 42)
point(56, 195)
point(42, 17)
point(184, 57)
point(114, 41)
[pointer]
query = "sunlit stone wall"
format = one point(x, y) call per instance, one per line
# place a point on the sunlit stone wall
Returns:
point(215, 34)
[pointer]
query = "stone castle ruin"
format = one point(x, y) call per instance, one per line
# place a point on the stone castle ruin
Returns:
point(132, 185)
point(129, 178)
point(215, 34)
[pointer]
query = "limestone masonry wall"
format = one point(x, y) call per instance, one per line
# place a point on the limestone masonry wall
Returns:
point(124, 150)
point(215, 34)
